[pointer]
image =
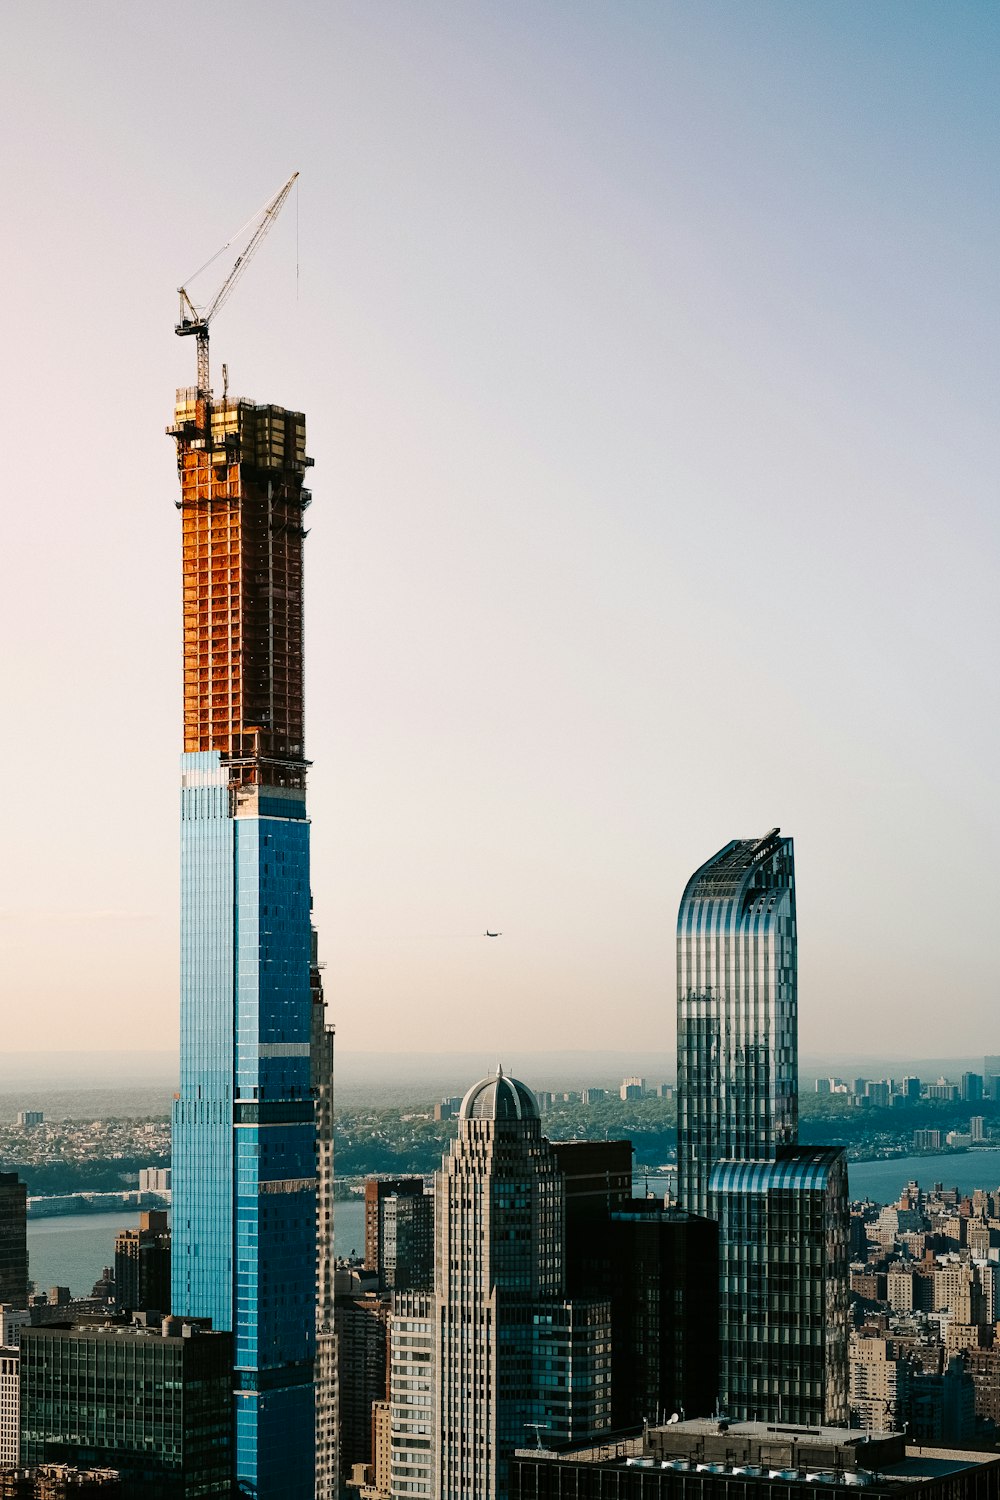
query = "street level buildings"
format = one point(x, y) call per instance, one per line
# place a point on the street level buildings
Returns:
point(58, 1482)
point(244, 1128)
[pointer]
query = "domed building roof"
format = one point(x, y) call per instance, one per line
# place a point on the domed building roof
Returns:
point(499, 1098)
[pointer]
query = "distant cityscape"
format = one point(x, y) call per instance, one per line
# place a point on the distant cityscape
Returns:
point(73, 1165)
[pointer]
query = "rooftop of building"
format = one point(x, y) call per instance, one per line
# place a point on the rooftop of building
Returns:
point(883, 1463)
point(499, 1098)
point(726, 873)
point(793, 1167)
point(137, 1325)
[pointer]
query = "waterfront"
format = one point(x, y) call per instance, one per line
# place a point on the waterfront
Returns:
point(883, 1181)
point(73, 1249)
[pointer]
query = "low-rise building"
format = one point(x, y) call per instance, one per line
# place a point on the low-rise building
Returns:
point(716, 1460)
point(155, 1403)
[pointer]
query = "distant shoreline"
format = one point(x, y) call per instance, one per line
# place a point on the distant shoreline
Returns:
point(65, 1204)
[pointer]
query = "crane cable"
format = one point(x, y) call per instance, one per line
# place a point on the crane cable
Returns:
point(232, 240)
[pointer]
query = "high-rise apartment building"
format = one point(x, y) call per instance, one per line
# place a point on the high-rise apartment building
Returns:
point(244, 1125)
point(412, 1456)
point(361, 1321)
point(783, 1277)
point(407, 1246)
point(659, 1267)
point(991, 1077)
point(13, 1240)
point(327, 1428)
point(142, 1264)
point(781, 1208)
point(10, 1406)
point(972, 1088)
point(512, 1352)
point(737, 1015)
point(399, 1232)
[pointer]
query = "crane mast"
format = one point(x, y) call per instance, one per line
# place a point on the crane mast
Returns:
point(195, 320)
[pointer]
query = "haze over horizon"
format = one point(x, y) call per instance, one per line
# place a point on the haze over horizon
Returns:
point(648, 356)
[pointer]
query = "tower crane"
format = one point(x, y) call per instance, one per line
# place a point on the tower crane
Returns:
point(195, 320)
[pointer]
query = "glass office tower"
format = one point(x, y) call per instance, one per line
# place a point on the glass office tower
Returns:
point(244, 1133)
point(737, 1029)
point(781, 1208)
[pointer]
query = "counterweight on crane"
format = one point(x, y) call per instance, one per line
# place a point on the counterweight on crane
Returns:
point(194, 320)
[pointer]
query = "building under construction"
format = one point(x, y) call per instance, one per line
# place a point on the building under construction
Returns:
point(242, 503)
point(255, 1049)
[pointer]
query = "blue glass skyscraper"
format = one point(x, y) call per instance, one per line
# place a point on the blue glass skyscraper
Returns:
point(244, 1145)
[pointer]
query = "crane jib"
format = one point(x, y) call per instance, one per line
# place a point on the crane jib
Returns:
point(197, 323)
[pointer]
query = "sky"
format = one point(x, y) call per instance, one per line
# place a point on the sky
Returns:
point(649, 359)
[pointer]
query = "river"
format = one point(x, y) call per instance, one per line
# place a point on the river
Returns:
point(883, 1181)
point(72, 1250)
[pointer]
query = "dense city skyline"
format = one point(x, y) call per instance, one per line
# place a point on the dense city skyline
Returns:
point(649, 366)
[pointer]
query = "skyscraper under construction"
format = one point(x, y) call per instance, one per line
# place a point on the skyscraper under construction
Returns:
point(245, 1147)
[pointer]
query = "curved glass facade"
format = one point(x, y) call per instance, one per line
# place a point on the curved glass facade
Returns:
point(737, 1038)
point(781, 1208)
point(783, 1299)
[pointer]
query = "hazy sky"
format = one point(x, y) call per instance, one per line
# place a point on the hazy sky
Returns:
point(649, 356)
